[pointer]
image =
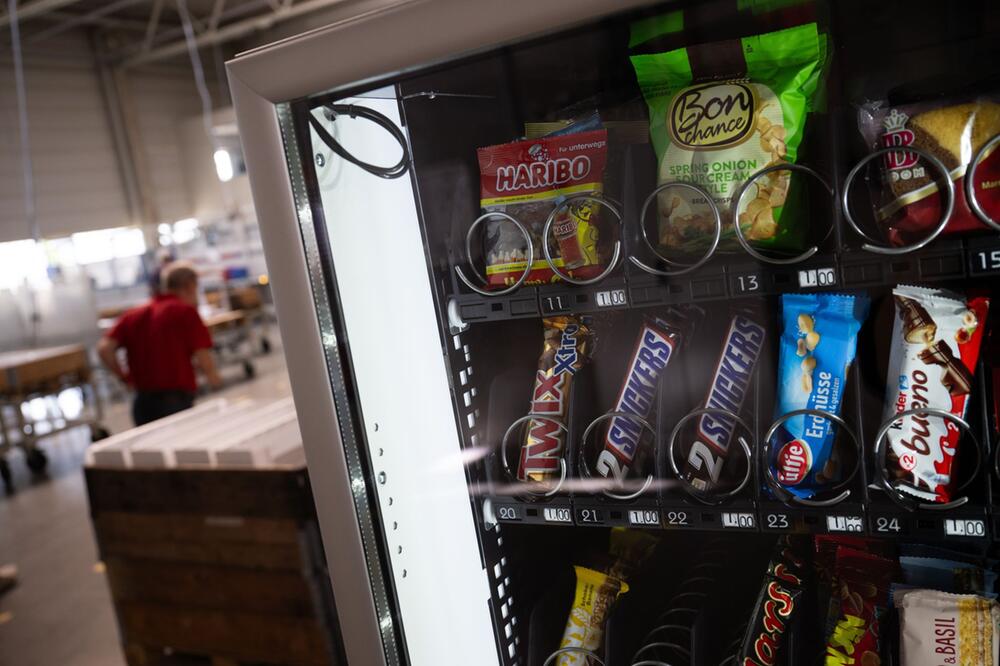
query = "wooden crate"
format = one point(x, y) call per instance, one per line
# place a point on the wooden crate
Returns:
point(221, 565)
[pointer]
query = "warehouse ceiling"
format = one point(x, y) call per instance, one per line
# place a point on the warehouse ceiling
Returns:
point(144, 31)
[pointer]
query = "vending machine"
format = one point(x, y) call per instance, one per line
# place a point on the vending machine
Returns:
point(642, 333)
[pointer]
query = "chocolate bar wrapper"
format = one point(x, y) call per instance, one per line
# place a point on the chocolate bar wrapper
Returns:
point(860, 596)
point(657, 343)
point(776, 607)
point(940, 628)
point(707, 453)
point(568, 346)
point(935, 345)
point(818, 343)
point(595, 593)
point(908, 200)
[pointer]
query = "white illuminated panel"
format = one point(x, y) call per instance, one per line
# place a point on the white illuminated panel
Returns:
point(402, 381)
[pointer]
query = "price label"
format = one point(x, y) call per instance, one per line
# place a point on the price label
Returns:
point(738, 520)
point(965, 527)
point(817, 277)
point(886, 525)
point(677, 518)
point(845, 524)
point(590, 516)
point(747, 283)
point(643, 517)
point(985, 261)
point(557, 515)
point(508, 513)
point(552, 304)
point(778, 521)
point(611, 298)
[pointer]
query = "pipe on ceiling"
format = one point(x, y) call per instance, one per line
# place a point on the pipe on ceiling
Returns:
point(232, 31)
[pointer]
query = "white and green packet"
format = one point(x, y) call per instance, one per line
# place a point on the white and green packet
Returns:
point(720, 112)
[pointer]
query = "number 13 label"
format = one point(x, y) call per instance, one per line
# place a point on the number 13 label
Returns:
point(748, 283)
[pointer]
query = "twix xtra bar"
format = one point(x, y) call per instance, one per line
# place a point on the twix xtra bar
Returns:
point(567, 348)
point(730, 385)
point(935, 346)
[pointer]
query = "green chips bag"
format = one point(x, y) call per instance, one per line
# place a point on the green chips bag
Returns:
point(720, 112)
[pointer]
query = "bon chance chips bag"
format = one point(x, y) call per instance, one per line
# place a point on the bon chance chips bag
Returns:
point(720, 112)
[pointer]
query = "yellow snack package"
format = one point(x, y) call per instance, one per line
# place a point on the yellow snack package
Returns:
point(596, 592)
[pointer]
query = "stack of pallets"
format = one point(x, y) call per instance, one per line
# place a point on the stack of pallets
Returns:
point(206, 526)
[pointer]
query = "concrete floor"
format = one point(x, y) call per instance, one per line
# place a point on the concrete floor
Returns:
point(60, 614)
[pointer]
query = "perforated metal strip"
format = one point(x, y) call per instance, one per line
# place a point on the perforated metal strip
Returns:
point(359, 486)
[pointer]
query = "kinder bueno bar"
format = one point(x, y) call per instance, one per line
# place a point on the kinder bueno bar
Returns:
point(526, 179)
point(655, 347)
point(568, 346)
point(818, 343)
point(935, 346)
point(730, 384)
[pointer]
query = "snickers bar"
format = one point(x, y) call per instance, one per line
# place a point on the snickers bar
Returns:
point(730, 384)
point(653, 350)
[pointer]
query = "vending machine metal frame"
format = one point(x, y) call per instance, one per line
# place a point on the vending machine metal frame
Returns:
point(370, 42)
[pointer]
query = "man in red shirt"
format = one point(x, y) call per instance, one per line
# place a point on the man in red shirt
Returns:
point(161, 340)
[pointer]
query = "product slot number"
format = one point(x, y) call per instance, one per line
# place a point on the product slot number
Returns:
point(817, 277)
point(964, 527)
point(643, 517)
point(590, 516)
point(678, 518)
point(845, 524)
point(742, 521)
point(507, 513)
point(888, 525)
point(778, 521)
point(611, 298)
point(553, 304)
point(557, 515)
point(986, 261)
point(747, 283)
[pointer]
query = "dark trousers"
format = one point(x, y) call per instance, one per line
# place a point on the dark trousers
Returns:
point(152, 405)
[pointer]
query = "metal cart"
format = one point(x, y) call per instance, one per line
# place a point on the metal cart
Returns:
point(233, 337)
point(43, 373)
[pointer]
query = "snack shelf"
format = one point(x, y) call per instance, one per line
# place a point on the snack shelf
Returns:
point(972, 523)
point(946, 259)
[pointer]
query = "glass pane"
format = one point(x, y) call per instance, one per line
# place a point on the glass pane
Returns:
point(639, 313)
